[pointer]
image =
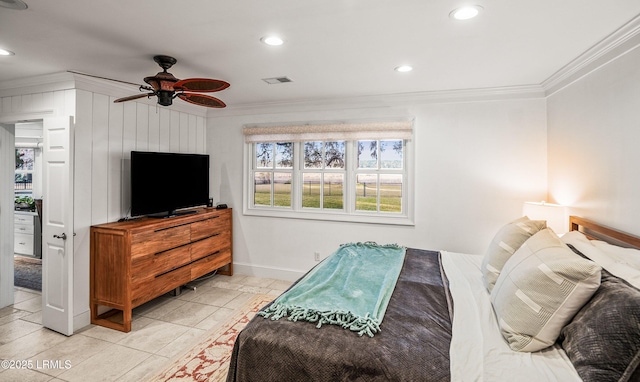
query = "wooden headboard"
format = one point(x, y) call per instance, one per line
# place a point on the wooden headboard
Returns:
point(596, 231)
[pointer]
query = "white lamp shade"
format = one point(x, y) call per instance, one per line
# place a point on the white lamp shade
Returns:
point(555, 215)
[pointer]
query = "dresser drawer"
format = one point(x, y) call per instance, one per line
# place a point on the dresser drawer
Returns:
point(210, 245)
point(210, 226)
point(149, 266)
point(142, 292)
point(211, 262)
point(22, 219)
point(150, 242)
point(23, 228)
point(23, 244)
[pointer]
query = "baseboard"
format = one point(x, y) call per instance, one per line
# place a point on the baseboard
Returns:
point(267, 272)
point(81, 320)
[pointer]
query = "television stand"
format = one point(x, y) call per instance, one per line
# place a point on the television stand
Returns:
point(135, 261)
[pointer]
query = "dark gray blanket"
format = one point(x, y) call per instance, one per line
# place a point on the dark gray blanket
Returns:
point(413, 344)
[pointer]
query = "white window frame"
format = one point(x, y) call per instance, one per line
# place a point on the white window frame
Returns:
point(349, 213)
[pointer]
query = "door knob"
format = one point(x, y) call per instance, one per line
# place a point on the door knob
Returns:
point(63, 236)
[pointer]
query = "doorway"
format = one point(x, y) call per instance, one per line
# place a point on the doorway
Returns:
point(57, 217)
point(28, 195)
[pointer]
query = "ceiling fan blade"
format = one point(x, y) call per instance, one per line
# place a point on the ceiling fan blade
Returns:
point(108, 79)
point(200, 85)
point(202, 100)
point(123, 99)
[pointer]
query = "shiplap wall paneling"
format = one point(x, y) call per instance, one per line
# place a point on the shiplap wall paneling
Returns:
point(192, 133)
point(154, 128)
point(184, 133)
point(142, 127)
point(128, 145)
point(115, 155)
point(165, 130)
point(175, 132)
point(201, 137)
point(100, 189)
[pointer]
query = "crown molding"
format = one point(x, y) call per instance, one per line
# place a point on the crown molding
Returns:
point(385, 100)
point(617, 44)
point(37, 84)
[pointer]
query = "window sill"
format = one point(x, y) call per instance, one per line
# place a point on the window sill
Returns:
point(331, 216)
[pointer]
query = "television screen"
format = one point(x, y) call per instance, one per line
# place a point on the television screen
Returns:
point(162, 183)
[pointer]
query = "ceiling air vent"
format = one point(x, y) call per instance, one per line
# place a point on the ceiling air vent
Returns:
point(277, 80)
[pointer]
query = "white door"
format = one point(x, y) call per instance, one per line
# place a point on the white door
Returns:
point(57, 225)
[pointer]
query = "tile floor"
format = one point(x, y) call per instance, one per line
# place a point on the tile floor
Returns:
point(161, 330)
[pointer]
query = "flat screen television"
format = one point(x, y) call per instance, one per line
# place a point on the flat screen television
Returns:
point(163, 183)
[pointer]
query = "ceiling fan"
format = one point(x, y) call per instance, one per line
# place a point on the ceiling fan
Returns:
point(167, 87)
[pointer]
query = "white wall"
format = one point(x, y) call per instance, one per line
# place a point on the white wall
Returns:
point(475, 164)
point(594, 132)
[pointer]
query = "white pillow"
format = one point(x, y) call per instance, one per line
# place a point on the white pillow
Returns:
point(505, 244)
point(621, 262)
point(541, 287)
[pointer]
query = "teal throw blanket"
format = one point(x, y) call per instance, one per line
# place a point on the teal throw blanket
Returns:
point(350, 288)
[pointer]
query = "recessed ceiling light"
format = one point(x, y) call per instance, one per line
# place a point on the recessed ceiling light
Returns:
point(272, 40)
point(403, 68)
point(465, 13)
point(4, 52)
point(13, 4)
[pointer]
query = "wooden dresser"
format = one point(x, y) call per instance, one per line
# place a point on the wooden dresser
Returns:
point(135, 261)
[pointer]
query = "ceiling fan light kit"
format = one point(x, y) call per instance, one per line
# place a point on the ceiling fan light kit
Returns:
point(166, 87)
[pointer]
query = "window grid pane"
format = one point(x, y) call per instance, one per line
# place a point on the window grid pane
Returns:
point(284, 155)
point(262, 189)
point(333, 191)
point(391, 154)
point(334, 154)
point(282, 189)
point(311, 189)
point(313, 155)
point(366, 192)
point(390, 193)
point(264, 155)
point(367, 154)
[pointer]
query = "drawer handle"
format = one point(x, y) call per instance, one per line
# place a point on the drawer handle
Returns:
point(22, 243)
point(22, 229)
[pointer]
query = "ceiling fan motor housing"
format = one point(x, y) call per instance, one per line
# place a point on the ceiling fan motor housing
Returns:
point(165, 97)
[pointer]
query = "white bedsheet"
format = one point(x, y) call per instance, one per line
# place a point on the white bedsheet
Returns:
point(478, 350)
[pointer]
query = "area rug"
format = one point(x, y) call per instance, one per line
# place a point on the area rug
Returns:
point(27, 273)
point(209, 359)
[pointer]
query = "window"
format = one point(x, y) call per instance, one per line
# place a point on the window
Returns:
point(25, 160)
point(379, 176)
point(323, 174)
point(272, 174)
point(350, 173)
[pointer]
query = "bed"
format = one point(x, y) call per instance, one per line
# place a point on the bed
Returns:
point(451, 318)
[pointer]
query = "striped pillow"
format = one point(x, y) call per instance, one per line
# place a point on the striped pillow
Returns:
point(541, 287)
point(505, 244)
